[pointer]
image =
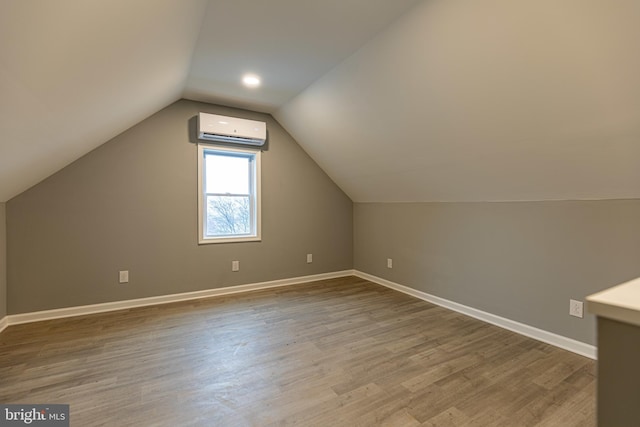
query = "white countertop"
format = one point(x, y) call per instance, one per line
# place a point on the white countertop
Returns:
point(620, 303)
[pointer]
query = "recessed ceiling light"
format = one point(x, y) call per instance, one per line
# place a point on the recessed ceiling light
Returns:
point(251, 80)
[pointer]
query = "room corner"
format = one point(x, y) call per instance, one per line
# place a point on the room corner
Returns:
point(3, 268)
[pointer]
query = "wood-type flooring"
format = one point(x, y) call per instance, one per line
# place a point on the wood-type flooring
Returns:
point(339, 352)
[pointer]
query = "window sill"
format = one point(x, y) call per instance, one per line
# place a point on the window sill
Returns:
point(229, 240)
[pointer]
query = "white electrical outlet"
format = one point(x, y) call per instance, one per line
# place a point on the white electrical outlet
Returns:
point(123, 276)
point(235, 265)
point(309, 258)
point(389, 263)
point(576, 308)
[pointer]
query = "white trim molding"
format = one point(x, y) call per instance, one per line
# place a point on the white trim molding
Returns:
point(16, 319)
point(560, 341)
point(556, 340)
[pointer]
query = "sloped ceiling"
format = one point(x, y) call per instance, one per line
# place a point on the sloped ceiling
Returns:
point(404, 100)
point(75, 73)
point(483, 101)
point(290, 43)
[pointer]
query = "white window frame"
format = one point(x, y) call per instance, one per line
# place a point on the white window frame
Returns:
point(255, 190)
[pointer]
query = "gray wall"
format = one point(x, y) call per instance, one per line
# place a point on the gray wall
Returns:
point(3, 263)
point(131, 205)
point(519, 260)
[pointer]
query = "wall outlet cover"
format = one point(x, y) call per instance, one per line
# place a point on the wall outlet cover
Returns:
point(576, 308)
point(123, 276)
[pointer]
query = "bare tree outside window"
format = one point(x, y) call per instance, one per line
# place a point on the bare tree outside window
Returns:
point(228, 215)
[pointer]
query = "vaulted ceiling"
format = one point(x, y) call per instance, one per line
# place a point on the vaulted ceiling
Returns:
point(404, 100)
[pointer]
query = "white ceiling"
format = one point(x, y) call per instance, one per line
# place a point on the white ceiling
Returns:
point(400, 100)
point(488, 100)
point(75, 73)
point(290, 43)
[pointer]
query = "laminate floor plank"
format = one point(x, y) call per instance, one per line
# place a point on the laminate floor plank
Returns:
point(339, 352)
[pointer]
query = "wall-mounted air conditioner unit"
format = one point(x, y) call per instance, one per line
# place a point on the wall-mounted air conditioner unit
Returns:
point(212, 127)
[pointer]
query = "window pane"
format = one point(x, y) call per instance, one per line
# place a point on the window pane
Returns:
point(228, 215)
point(229, 199)
point(226, 174)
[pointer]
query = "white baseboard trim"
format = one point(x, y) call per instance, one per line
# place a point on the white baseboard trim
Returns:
point(16, 319)
point(4, 322)
point(560, 341)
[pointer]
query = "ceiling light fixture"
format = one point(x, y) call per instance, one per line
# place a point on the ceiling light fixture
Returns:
point(251, 80)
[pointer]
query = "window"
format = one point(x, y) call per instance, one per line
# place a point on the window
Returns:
point(228, 195)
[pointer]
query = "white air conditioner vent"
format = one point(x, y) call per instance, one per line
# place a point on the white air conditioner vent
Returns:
point(212, 127)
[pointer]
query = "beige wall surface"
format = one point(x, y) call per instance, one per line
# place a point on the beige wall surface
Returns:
point(519, 260)
point(131, 204)
point(3, 263)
